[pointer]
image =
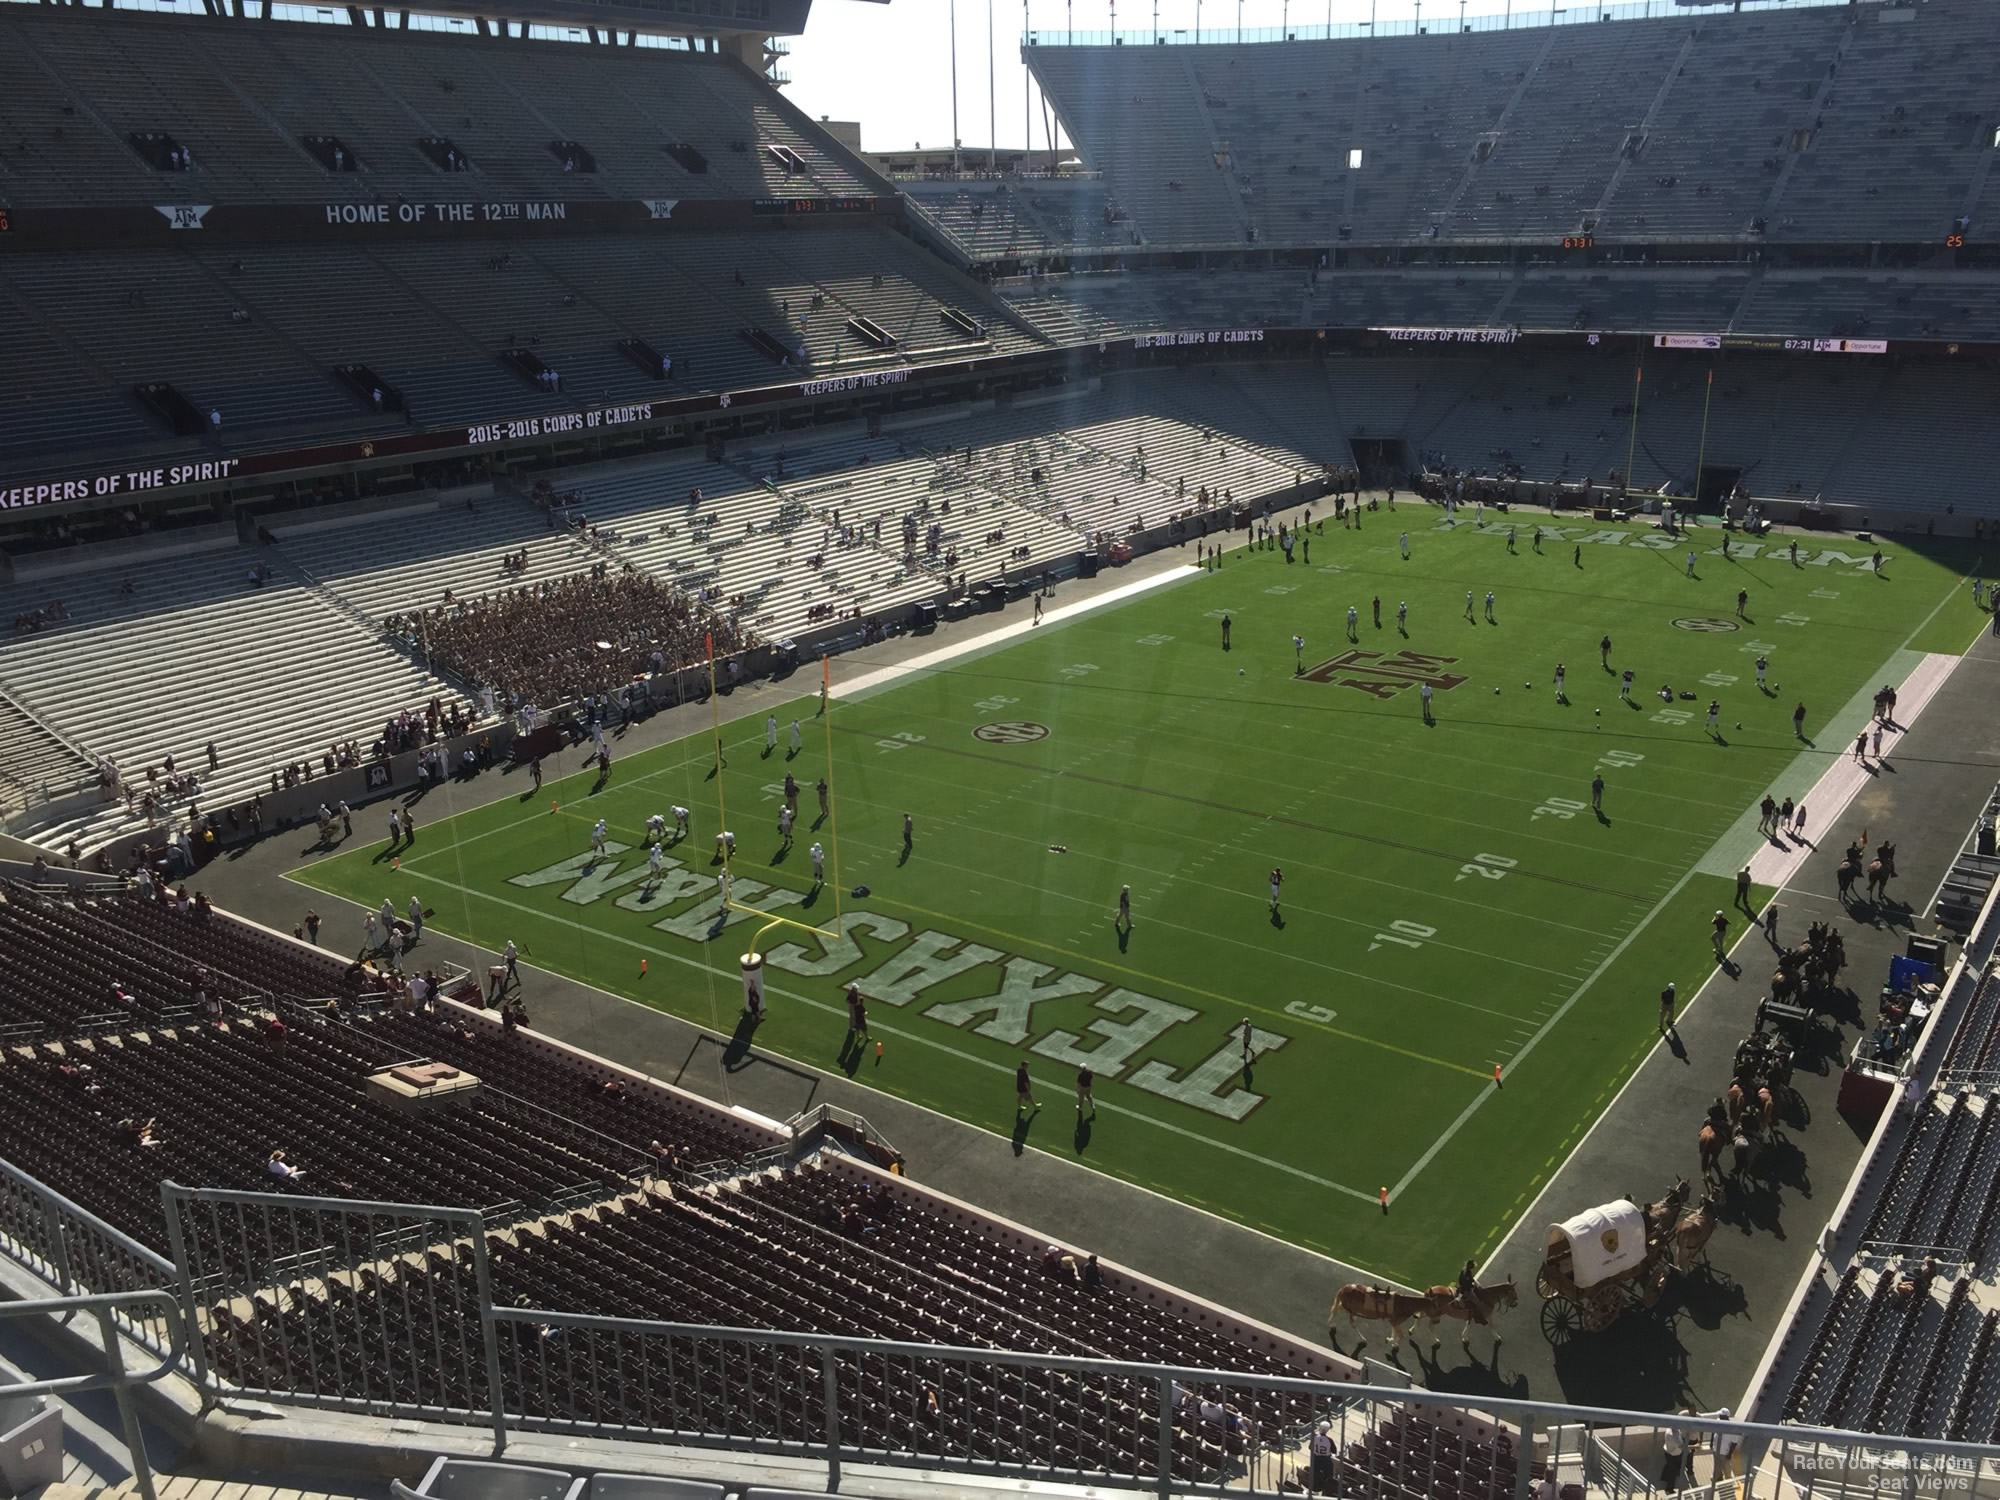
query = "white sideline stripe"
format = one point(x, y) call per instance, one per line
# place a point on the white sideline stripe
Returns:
point(1740, 842)
point(909, 1036)
point(1935, 669)
point(1775, 864)
point(886, 677)
point(1749, 930)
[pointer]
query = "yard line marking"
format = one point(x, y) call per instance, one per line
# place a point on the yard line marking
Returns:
point(829, 1008)
point(1950, 594)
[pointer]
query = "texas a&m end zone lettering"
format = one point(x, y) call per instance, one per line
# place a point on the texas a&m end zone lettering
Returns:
point(1383, 676)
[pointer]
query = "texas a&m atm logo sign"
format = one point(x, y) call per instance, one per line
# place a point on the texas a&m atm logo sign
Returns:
point(1385, 674)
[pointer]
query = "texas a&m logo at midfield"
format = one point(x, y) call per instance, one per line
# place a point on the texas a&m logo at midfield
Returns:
point(1385, 674)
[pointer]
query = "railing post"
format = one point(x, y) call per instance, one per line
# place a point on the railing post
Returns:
point(1164, 1454)
point(52, 1225)
point(829, 1382)
point(1524, 1460)
point(135, 1438)
point(489, 1333)
point(197, 1340)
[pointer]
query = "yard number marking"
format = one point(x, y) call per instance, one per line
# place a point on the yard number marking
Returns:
point(1316, 1013)
point(994, 704)
point(1154, 640)
point(1486, 867)
point(1409, 934)
point(1673, 716)
point(1079, 669)
point(1760, 648)
point(1615, 759)
point(902, 740)
point(1720, 680)
point(1557, 807)
point(1794, 619)
point(1282, 588)
point(1825, 593)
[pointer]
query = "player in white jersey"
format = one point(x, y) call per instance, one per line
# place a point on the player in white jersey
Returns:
point(1690, 572)
point(818, 856)
point(1468, 604)
point(770, 733)
point(597, 834)
point(798, 739)
point(680, 822)
point(1403, 615)
point(1277, 880)
point(785, 824)
point(1510, 538)
point(722, 884)
point(725, 843)
point(1560, 674)
point(1763, 666)
point(1714, 714)
point(656, 828)
point(1404, 542)
point(656, 861)
point(1489, 608)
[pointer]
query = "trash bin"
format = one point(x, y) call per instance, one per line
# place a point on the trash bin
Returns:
point(1986, 838)
point(31, 1439)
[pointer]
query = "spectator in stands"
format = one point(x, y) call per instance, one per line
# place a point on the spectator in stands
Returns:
point(282, 1171)
point(134, 1132)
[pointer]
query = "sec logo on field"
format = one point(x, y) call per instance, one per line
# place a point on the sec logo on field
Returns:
point(1709, 624)
point(1011, 732)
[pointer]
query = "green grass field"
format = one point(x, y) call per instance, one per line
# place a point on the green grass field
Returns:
point(1449, 900)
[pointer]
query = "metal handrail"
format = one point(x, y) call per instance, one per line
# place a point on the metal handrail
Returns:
point(106, 1308)
point(1527, 1413)
point(97, 1303)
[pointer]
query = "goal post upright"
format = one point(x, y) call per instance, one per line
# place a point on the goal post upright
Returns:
point(832, 803)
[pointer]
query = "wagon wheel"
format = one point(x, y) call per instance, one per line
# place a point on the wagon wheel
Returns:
point(1562, 1320)
point(1602, 1305)
point(1792, 1108)
point(1545, 1286)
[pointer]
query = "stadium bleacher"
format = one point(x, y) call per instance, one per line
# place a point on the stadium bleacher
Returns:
point(1900, 1340)
point(242, 100)
point(1837, 124)
point(254, 334)
point(598, 1160)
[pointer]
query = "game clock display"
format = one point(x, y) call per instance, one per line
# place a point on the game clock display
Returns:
point(1579, 242)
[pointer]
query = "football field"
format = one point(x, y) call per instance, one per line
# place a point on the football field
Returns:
point(1450, 902)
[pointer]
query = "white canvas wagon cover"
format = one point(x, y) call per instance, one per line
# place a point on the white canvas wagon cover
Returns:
point(1603, 1241)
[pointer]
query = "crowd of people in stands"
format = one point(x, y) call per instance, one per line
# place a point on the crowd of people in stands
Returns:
point(30, 621)
point(557, 640)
